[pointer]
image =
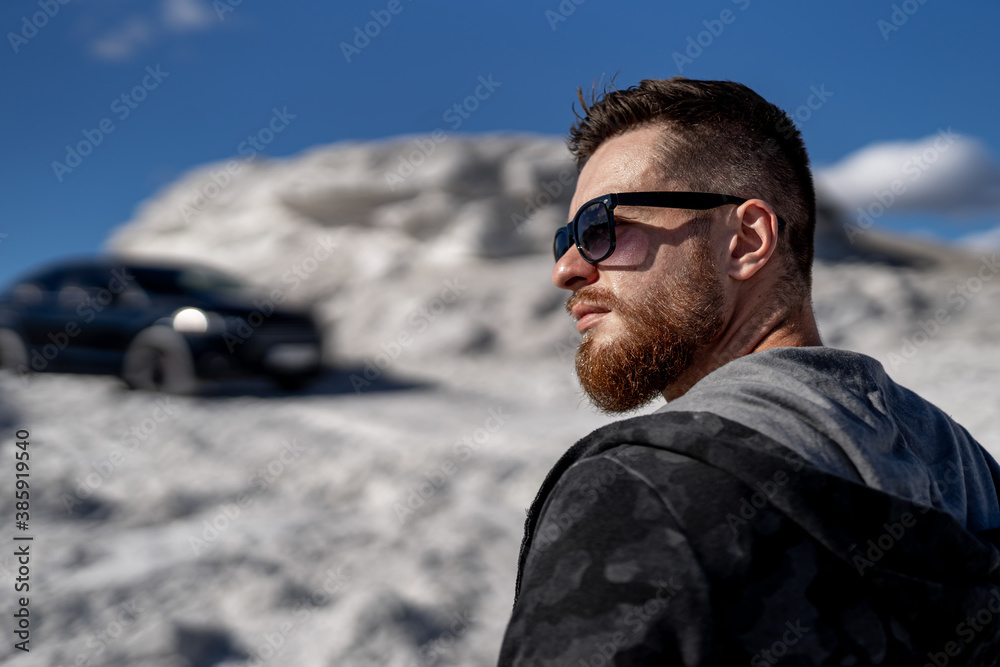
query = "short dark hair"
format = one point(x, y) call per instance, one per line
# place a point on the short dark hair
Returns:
point(720, 136)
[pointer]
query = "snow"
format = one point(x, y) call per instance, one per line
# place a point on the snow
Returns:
point(374, 519)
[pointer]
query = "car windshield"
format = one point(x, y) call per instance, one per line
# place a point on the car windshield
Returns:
point(185, 281)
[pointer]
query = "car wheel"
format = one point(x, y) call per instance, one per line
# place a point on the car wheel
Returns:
point(13, 352)
point(159, 359)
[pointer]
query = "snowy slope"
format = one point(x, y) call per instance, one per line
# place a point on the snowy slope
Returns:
point(375, 519)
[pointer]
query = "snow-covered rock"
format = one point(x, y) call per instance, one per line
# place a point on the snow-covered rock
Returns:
point(377, 522)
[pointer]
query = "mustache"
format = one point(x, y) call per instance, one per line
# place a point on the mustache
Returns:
point(594, 295)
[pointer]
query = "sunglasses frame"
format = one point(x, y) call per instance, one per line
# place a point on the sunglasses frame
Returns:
point(695, 201)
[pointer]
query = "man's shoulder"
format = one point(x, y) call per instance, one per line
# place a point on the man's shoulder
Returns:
point(682, 472)
point(792, 367)
point(701, 522)
point(674, 451)
point(671, 474)
point(680, 437)
point(632, 482)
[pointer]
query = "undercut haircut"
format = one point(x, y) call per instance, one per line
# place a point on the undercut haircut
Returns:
point(719, 136)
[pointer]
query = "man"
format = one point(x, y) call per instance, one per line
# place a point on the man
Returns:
point(790, 502)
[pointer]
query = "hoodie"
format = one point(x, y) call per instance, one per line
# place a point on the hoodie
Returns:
point(813, 524)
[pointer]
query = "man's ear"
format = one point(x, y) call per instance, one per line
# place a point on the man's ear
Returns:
point(753, 239)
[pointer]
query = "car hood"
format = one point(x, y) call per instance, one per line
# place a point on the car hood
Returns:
point(239, 306)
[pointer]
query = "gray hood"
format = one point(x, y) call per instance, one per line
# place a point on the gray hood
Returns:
point(840, 411)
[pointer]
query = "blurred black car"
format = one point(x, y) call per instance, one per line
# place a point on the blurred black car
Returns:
point(161, 327)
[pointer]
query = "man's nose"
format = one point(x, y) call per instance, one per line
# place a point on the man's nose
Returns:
point(572, 271)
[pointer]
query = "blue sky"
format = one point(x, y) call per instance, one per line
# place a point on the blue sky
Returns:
point(212, 72)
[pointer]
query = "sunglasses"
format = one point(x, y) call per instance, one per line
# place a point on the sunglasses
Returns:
point(593, 227)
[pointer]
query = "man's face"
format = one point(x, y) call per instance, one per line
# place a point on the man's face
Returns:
point(648, 309)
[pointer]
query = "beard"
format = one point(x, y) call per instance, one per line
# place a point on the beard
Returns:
point(663, 331)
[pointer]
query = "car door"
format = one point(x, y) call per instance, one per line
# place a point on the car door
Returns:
point(44, 324)
point(109, 308)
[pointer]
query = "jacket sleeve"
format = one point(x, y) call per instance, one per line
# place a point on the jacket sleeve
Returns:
point(610, 577)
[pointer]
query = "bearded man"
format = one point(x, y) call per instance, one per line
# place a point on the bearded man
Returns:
point(790, 502)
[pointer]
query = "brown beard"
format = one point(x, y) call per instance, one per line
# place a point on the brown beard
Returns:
point(663, 331)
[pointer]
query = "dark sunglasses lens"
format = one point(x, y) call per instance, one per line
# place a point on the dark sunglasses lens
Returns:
point(594, 230)
point(561, 243)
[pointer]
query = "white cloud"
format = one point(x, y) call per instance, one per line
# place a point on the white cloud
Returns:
point(186, 15)
point(127, 39)
point(945, 173)
point(123, 42)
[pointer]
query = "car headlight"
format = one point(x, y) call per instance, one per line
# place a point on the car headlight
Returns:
point(195, 320)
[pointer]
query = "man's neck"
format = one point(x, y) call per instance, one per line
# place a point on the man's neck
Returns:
point(779, 327)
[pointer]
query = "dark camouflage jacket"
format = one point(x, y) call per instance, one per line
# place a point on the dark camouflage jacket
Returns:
point(688, 539)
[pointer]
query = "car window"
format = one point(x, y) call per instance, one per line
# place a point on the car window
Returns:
point(84, 278)
point(29, 294)
point(186, 281)
point(37, 288)
point(70, 297)
point(203, 280)
point(98, 284)
point(47, 281)
point(133, 297)
point(158, 281)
